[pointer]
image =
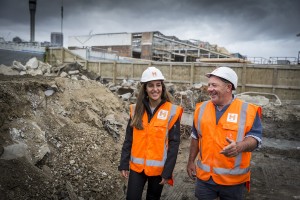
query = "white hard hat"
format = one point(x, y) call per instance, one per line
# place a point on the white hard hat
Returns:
point(225, 73)
point(152, 74)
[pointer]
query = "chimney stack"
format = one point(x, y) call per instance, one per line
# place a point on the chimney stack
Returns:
point(32, 8)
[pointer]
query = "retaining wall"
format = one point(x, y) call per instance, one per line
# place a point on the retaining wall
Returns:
point(282, 80)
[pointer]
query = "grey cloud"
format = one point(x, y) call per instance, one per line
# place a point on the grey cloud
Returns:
point(234, 20)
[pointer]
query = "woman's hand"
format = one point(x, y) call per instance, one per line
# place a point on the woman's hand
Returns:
point(163, 181)
point(124, 173)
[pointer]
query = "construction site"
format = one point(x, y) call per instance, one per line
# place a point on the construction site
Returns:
point(64, 113)
point(63, 125)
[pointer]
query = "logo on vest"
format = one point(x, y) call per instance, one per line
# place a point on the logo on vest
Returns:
point(232, 117)
point(163, 114)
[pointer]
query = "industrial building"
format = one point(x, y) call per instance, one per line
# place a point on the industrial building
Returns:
point(149, 46)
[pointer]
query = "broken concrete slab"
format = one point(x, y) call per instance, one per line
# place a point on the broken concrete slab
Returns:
point(15, 151)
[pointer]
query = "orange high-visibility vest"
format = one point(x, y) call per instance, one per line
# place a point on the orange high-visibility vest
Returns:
point(235, 122)
point(150, 145)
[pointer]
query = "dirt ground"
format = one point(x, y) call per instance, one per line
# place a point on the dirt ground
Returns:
point(67, 145)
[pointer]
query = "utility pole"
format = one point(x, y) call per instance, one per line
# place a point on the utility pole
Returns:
point(62, 20)
point(62, 15)
point(298, 35)
point(32, 8)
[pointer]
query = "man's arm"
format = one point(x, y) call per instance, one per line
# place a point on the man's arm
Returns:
point(256, 131)
point(234, 148)
point(194, 149)
point(251, 141)
point(247, 145)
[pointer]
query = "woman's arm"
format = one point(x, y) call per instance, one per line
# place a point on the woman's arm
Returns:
point(126, 149)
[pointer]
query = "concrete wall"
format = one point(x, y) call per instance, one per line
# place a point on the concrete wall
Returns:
point(146, 45)
point(125, 51)
point(90, 54)
point(113, 39)
point(282, 80)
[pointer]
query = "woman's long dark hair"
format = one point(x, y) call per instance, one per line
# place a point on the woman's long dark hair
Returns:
point(140, 107)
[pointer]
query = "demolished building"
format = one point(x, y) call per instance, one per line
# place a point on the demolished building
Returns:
point(153, 46)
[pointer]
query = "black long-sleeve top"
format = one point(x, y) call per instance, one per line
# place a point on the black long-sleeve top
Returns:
point(174, 141)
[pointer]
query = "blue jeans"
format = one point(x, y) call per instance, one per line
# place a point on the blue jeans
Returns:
point(208, 191)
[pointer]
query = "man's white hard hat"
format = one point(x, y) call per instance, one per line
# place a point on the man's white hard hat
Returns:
point(225, 73)
point(152, 74)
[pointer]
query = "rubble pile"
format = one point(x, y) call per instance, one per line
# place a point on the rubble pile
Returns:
point(127, 90)
point(63, 145)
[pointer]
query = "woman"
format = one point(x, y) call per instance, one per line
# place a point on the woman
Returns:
point(152, 138)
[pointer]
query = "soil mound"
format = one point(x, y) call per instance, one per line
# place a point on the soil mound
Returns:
point(61, 139)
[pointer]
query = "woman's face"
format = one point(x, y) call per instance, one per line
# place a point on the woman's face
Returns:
point(154, 90)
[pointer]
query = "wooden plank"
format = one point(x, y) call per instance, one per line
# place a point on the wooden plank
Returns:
point(271, 86)
point(114, 72)
point(192, 73)
point(244, 77)
point(99, 68)
point(275, 78)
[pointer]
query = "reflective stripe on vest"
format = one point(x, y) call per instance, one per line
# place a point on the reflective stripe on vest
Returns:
point(202, 108)
point(241, 126)
point(137, 160)
point(157, 163)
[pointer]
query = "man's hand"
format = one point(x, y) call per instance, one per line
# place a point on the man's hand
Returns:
point(191, 170)
point(231, 149)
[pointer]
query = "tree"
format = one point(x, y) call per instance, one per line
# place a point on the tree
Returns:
point(17, 39)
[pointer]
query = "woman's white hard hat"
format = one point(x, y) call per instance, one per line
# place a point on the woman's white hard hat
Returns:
point(152, 74)
point(225, 73)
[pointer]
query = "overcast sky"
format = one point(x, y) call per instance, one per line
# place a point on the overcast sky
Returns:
point(254, 28)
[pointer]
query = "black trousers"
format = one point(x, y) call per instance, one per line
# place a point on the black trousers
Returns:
point(136, 183)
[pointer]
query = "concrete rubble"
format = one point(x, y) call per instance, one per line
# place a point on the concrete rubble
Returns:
point(127, 90)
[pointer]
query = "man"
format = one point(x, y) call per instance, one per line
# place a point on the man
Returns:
point(225, 131)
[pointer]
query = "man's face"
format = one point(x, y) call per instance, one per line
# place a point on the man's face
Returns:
point(218, 90)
